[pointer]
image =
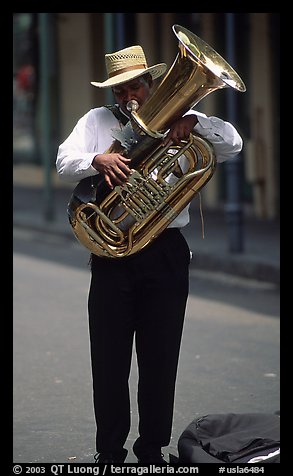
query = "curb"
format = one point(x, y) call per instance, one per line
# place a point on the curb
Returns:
point(241, 266)
point(238, 265)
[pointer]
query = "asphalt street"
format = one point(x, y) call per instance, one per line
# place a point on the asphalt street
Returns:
point(229, 356)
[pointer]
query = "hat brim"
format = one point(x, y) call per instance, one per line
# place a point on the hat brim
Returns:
point(156, 71)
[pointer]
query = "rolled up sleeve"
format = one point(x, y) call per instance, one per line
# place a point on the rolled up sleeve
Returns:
point(76, 153)
point(224, 137)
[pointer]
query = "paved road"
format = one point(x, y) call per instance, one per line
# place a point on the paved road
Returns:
point(229, 360)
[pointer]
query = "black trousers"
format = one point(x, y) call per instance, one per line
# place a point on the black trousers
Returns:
point(143, 297)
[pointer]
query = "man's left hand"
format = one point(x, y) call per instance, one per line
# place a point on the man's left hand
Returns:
point(181, 129)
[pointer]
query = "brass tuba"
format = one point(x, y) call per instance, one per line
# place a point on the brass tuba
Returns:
point(120, 222)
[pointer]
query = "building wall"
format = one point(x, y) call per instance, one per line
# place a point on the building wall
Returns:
point(82, 40)
point(75, 68)
point(262, 159)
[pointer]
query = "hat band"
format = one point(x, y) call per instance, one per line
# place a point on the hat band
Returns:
point(125, 70)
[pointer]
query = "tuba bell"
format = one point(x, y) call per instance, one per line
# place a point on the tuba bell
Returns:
point(120, 222)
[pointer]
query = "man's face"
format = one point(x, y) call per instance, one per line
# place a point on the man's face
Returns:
point(138, 89)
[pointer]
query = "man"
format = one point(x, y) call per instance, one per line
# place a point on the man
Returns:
point(142, 296)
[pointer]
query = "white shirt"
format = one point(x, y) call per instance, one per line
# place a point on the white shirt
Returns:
point(92, 136)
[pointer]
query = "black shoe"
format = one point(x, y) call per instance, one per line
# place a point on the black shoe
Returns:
point(152, 458)
point(113, 458)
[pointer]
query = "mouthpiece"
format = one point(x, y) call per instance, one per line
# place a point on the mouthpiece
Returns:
point(132, 106)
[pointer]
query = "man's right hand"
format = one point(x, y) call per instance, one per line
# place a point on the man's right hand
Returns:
point(113, 167)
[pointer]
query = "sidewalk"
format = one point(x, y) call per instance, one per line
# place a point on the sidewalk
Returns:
point(260, 258)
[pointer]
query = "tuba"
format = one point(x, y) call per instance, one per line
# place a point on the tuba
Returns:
point(120, 222)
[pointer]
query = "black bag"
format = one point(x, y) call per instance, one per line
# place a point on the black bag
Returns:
point(231, 438)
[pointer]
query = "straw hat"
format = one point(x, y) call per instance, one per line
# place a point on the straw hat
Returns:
point(127, 64)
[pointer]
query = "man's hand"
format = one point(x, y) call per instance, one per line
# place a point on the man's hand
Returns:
point(181, 129)
point(113, 167)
